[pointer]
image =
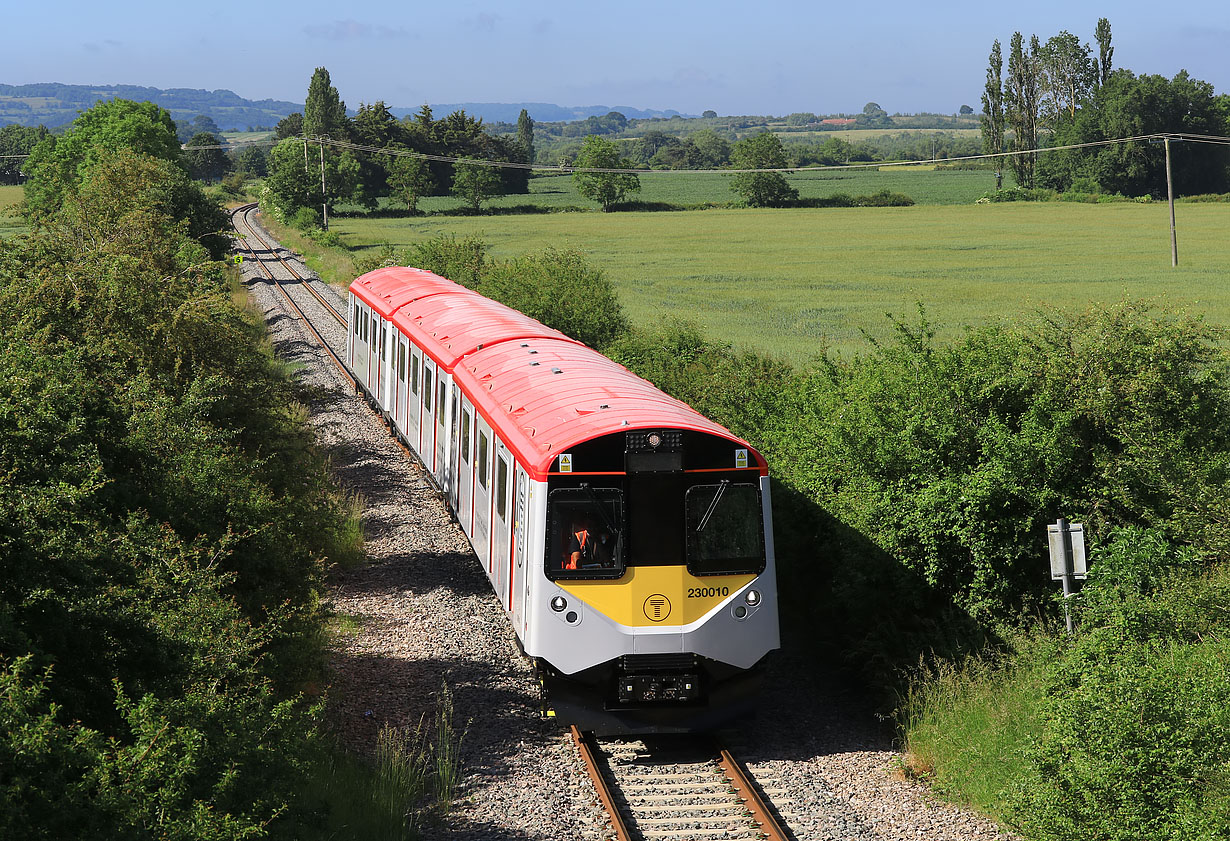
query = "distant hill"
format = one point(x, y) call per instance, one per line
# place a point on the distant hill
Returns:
point(53, 104)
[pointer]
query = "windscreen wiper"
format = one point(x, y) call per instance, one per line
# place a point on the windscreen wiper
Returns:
point(704, 521)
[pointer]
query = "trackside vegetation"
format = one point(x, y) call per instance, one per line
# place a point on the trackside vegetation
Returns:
point(913, 484)
point(166, 523)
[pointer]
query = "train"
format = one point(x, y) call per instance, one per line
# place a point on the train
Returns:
point(627, 537)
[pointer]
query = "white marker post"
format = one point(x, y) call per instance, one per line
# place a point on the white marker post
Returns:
point(1067, 545)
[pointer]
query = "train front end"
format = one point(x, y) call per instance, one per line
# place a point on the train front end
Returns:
point(658, 597)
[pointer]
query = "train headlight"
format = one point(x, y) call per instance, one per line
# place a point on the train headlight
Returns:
point(740, 612)
point(752, 597)
point(559, 604)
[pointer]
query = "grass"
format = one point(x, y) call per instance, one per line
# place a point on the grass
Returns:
point(967, 729)
point(796, 281)
point(10, 225)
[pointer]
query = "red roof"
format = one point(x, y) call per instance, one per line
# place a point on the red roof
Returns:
point(543, 391)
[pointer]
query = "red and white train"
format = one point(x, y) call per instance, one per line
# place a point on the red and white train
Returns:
point(628, 538)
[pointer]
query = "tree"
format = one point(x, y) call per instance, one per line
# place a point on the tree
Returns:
point(16, 141)
point(1021, 100)
point(1128, 106)
point(1105, 51)
point(410, 178)
point(58, 164)
point(525, 135)
point(294, 177)
point(289, 126)
point(254, 161)
point(475, 183)
point(965, 111)
point(606, 188)
point(713, 149)
point(992, 120)
point(324, 113)
point(208, 164)
point(1068, 74)
point(709, 115)
point(761, 189)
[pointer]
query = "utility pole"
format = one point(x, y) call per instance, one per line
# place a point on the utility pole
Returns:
point(324, 201)
point(1174, 242)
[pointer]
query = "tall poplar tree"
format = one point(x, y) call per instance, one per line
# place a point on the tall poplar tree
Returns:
point(525, 135)
point(1021, 99)
point(324, 113)
point(993, 110)
point(1105, 50)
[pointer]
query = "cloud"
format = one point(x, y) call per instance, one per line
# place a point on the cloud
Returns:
point(353, 30)
point(483, 22)
point(107, 45)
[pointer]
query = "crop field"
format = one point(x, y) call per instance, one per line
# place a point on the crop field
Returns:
point(796, 281)
point(10, 225)
point(924, 186)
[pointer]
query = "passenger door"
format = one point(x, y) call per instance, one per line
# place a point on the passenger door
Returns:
point(465, 469)
point(428, 440)
point(501, 525)
point(482, 493)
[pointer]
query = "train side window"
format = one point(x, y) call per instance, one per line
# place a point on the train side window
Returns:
point(440, 404)
point(414, 374)
point(356, 319)
point(482, 458)
point(364, 319)
point(374, 325)
point(426, 389)
point(465, 435)
point(401, 362)
point(725, 529)
point(586, 537)
point(384, 340)
point(501, 488)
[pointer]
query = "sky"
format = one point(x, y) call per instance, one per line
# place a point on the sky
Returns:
point(772, 57)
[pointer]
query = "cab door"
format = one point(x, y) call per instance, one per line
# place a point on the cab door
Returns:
point(520, 528)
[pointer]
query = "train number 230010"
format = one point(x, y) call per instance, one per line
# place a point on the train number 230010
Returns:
point(707, 592)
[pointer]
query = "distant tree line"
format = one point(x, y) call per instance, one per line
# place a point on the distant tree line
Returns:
point(391, 164)
point(1059, 93)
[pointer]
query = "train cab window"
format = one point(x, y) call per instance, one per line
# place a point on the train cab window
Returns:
point(426, 389)
point(465, 436)
point(482, 458)
point(586, 537)
point(440, 404)
point(724, 524)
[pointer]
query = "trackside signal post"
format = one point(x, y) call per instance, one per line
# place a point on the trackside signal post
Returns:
point(1067, 545)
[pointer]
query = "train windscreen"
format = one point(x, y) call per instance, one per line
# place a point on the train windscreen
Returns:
point(586, 538)
point(725, 529)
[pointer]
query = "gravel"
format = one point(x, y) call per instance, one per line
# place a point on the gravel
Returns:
point(426, 619)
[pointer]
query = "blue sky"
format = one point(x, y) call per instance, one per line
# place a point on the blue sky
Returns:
point(772, 57)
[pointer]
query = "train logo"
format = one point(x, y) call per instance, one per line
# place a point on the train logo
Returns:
point(657, 607)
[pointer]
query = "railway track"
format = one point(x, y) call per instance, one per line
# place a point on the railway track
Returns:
point(679, 790)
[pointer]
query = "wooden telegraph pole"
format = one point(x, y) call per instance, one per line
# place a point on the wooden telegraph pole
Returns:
point(324, 201)
point(1174, 242)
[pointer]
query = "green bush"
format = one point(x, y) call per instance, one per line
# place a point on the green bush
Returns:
point(562, 290)
point(1119, 732)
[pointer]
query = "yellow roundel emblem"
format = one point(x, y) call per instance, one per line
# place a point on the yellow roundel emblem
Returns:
point(657, 607)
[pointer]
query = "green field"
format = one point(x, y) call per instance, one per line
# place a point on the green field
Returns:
point(681, 187)
point(10, 225)
point(792, 281)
